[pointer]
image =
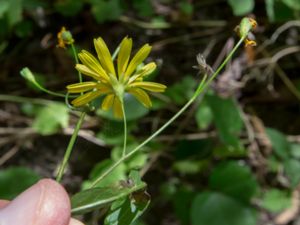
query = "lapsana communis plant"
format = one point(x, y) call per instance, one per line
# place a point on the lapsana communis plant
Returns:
point(113, 79)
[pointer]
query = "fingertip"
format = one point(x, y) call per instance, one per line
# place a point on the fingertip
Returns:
point(75, 222)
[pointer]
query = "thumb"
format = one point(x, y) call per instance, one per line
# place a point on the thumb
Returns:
point(45, 203)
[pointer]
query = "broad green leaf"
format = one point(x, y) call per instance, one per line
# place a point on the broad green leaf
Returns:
point(276, 200)
point(227, 119)
point(104, 10)
point(279, 143)
point(126, 211)
point(278, 11)
point(210, 208)
point(293, 4)
point(241, 7)
point(133, 109)
point(50, 118)
point(14, 180)
point(292, 168)
point(182, 91)
point(99, 197)
point(203, 115)
point(234, 180)
point(193, 148)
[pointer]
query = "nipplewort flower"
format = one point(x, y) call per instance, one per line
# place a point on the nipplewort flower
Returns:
point(113, 82)
point(244, 31)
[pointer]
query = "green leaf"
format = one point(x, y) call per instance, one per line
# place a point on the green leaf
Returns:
point(126, 211)
point(218, 209)
point(144, 7)
point(241, 7)
point(50, 118)
point(4, 6)
point(204, 115)
point(234, 180)
point(279, 143)
point(14, 180)
point(115, 176)
point(227, 119)
point(133, 109)
point(14, 13)
point(182, 91)
point(277, 11)
point(225, 151)
point(186, 7)
point(106, 10)
point(181, 202)
point(292, 168)
point(68, 7)
point(293, 4)
point(95, 198)
point(295, 150)
point(276, 200)
point(190, 166)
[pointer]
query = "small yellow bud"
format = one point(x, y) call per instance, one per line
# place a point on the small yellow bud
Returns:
point(64, 38)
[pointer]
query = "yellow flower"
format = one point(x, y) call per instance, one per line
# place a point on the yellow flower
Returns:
point(115, 82)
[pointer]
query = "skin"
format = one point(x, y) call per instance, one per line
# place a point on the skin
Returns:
point(45, 203)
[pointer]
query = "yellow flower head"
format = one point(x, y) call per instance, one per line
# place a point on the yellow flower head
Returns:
point(64, 38)
point(114, 82)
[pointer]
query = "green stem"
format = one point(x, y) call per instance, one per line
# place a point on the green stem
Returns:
point(77, 61)
point(69, 148)
point(125, 130)
point(202, 86)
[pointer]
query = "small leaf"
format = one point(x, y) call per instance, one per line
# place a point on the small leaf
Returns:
point(14, 14)
point(144, 8)
point(292, 168)
point(14, 180)
point(234, 180)
point(204, 115)
point(210, 208)
point(279, 143)
point(50, 118)
point(295, 150)
point(106, 10)
point(278, 11)
point(241, 8)
point(113, 179)
point(96, 198)
point(276, 200)
point(126, 211)
point(227, 119)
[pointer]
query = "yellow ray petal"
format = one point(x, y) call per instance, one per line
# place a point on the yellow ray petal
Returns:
point(149, 86)
point(81, 87)
point(86, 71)
point(139, 57)
point(104, 55)
point(117, 108)
point(108, 102)
point(124, 55)
point(144, 71)
point(86, 98)
point(92, 63)
point(142, 96)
